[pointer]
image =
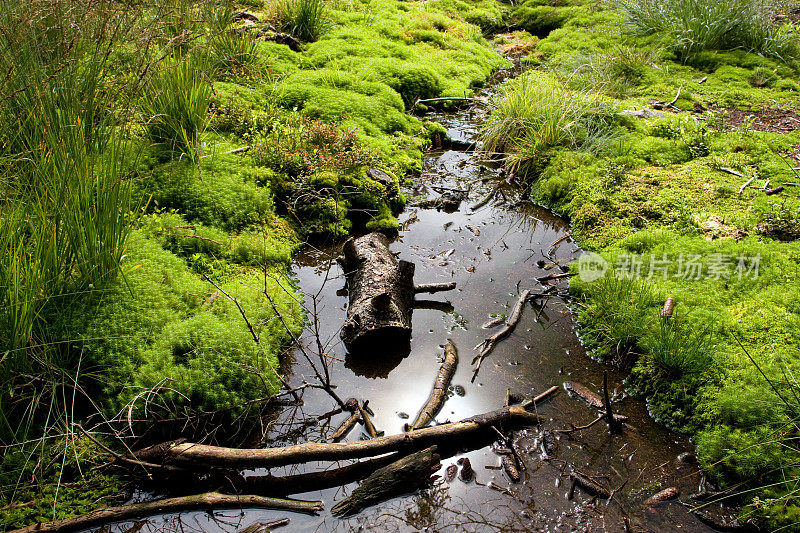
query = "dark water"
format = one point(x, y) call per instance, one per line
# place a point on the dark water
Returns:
point(492, 254)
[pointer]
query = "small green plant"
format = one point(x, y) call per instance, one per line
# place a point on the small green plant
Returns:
point(174, 107)
point(304, 19)
point(780, 222)
point(677, 350)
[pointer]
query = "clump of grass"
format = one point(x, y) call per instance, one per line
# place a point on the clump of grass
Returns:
point(535, 113)
point(304, 19)
point(616, 72)
point(697, 25)
point(230, 51)
point(175, 104)
point(616, 315)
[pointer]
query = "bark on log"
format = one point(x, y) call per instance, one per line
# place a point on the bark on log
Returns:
point(381, 293)
point(439, 392)
point(208, 500)
point(205, 456)
point(403, 476)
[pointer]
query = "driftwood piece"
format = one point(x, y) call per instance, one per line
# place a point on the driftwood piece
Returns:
point(381, 293)
point(403, 476)
point(265, 527)
point(488, 345)
point(439, 392)
point(208, 500)
point(540, 397)
point(368, 425)
point(583, 392)
point(204, 456)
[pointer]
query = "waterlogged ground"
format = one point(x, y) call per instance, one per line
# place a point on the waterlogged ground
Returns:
point(492, 253)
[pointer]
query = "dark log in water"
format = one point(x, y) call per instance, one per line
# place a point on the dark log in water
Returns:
point(403, 476)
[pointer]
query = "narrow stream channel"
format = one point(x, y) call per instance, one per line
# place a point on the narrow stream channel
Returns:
point(492, 253)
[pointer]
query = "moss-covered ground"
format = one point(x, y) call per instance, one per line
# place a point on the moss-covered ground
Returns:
point(659, 199)
point(214, 230)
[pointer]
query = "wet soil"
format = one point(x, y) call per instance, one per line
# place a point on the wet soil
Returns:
point(770, 119)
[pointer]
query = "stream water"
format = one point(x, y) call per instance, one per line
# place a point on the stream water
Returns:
point(492, 253)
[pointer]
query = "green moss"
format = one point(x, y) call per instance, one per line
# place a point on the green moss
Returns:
point(161, 322)
point(660, 193)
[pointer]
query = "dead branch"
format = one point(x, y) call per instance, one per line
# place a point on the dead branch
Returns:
point(488, 345)
point(527, 404)
point(439, 392)
point(208, 500)
point(346, 426)
point(485, 200)
point(204, 456)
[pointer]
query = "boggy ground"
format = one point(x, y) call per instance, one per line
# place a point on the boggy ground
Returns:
point(676, 163)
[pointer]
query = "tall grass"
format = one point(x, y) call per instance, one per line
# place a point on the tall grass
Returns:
point(175, 104)
point(64, 196)
point(304, 19)
point(697, 25)
point(537, 112)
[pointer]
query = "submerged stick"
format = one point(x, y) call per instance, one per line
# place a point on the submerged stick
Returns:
point(205, 501)
point(485, 200)
point(203, 456)
point(368, 425)
point(489, 344)
point(439, 392)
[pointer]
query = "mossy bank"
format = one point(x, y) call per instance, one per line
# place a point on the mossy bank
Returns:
point(674, 156)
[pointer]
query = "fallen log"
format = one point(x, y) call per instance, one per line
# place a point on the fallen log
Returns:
point(488, 345)
point(403, 476)
point(381, 295)
point(380, 291)
point(439, 392)
point(205, 501)
point(270, 485)
point(346, 426)
point(204, 456)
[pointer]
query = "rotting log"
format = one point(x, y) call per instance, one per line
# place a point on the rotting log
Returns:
point(381, 294)
point(205, 456)
point(406, 475)
point(205, 501)
point(380, 290)
point(439, 392)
